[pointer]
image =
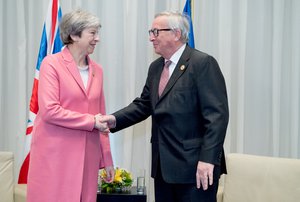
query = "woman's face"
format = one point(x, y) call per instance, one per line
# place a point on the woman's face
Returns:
point(88, 40)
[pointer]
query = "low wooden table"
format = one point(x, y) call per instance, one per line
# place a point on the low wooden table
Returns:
point(131, 196)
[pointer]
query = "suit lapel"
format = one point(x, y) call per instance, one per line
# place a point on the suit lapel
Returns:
point(157, 79)
point(180, 68)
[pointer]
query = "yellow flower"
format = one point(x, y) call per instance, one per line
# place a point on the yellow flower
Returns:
point(122, 179)
point(118, 177)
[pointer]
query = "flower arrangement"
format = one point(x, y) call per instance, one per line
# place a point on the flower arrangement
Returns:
point(122, 181)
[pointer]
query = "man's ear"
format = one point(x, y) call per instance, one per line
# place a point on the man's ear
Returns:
point(177, 34)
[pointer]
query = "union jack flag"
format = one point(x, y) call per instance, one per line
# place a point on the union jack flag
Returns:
point(50, 43)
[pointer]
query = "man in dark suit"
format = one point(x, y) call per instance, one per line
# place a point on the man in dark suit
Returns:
point(189, 116)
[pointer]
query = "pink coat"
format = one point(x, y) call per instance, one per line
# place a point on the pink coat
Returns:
point(66, 152)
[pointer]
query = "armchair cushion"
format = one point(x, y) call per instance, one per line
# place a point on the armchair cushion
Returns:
point(6, 176)
point(260, 179)
point(9, 191)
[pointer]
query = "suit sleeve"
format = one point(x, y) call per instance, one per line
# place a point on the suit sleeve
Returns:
point(214, 110)
point(137, 111)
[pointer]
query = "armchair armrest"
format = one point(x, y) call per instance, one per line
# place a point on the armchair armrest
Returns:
point(20, 192)
point(220, 193)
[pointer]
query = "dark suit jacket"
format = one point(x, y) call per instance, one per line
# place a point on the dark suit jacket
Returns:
point(189, 120)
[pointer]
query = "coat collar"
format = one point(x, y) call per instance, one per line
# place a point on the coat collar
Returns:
point(73, 69)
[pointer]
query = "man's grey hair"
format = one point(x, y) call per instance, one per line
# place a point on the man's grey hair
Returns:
point(177, 21)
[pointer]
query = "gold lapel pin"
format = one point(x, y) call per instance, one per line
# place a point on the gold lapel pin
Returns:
point(182, 67)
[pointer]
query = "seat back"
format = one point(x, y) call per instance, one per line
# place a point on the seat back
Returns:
point(261, 179)
point(6, 177)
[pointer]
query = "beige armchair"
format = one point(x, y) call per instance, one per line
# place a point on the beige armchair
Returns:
point(253, 178)
point(9, 190)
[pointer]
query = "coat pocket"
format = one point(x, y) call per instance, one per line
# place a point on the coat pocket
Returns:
point(192, 143)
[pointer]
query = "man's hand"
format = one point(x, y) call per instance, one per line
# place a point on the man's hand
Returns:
point(110, 120)
point(204, 174)
point(101, 126)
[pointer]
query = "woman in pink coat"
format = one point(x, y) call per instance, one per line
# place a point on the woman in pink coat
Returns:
point(67, 149)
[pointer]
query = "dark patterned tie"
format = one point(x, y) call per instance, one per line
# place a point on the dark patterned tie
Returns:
point(164, 77)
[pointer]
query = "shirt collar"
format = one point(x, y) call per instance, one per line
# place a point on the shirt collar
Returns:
point(176, 56)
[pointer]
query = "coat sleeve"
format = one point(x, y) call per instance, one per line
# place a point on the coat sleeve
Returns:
point(106, 157)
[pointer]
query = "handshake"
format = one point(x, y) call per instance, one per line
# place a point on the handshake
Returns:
point(104, 122)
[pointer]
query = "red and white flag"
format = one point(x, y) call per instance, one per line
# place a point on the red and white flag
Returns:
point(50, 43)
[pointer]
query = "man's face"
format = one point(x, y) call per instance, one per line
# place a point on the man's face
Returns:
point(164, 41)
